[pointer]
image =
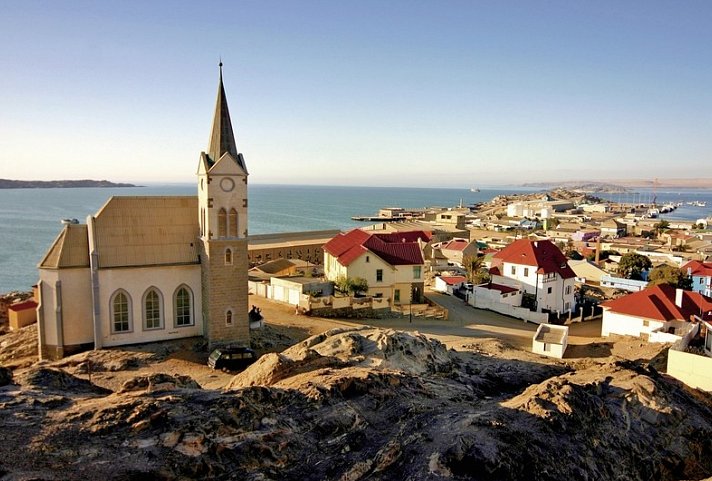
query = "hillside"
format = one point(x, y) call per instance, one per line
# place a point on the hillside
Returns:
point(355, 404)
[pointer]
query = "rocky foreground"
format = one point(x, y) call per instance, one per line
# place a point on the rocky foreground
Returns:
point(358, 404)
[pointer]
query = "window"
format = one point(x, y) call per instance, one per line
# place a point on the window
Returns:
point(120, 312)
point(222, 223)
point(183, 304)
point(228, 318)
point(368, 259)
point(379, 275)
point(548, 290)
point(416, 272)
point(566, 307)
point(514, 271)
point(152, 310)
point(547, 347)
point(233, 223)
point(526, 272)
point(228, 257)
point(568, 290)
point(646, 323)
point(396, 295)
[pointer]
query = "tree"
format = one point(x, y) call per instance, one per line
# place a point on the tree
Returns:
point(660, 227)
point(359, 285)
point(474, 265)
point(632, 265)
point(353, 286)
point(670, 275)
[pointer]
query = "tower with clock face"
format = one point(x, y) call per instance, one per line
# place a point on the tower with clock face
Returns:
point(222, 217)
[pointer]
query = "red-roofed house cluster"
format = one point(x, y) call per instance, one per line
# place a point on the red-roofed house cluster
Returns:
point(659, 314)
point(540, 269)
point(391, 263)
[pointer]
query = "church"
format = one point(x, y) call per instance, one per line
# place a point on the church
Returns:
point(154, 268)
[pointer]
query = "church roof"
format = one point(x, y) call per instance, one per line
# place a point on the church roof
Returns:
point(222, 138)
point(69, 249)
point(147, 231)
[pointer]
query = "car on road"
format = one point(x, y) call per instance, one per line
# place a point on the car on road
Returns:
point(231, 358)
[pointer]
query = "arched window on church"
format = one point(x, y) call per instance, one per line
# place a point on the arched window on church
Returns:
point(222, 223)
point(152, 309)
point(183, 306)
point(228, 318)
point(121, 312)
point(233, 223)
point(228, 257)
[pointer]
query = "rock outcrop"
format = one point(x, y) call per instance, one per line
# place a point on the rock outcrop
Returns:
point(357, 404)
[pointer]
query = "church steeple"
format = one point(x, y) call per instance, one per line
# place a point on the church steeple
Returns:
point(222, 139)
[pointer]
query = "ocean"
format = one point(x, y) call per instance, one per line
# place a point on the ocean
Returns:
point(30, 218)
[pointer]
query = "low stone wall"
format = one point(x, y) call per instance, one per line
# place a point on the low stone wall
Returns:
point(508, 310)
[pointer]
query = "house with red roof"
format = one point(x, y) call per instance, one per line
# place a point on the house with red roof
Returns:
point(539, 268)
point(21, 314)
point(659, 313)
point(447, 284)
point(392, 263)
point(456, 250)
point(701, 273)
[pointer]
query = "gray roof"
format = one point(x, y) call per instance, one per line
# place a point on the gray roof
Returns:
point(222, 138)
point(551, 334)
point(69, 249)
point(146, 231)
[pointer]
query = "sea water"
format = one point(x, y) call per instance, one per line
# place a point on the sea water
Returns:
point(30, 218)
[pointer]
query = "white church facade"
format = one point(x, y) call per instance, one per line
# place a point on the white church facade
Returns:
point(152, 268)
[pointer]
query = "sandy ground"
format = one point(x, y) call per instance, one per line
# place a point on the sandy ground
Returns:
point(465, 323)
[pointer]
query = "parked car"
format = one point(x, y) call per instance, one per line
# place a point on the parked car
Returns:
point(231, 358)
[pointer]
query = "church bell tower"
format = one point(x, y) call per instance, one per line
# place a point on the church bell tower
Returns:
point(222, 216)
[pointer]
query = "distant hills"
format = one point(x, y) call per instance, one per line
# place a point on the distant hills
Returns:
point(624, 185)
point(47, 184)
point(579, 186)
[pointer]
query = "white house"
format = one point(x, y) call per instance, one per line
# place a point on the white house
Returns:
point(701, 273)
point(659, 313)
point(550, 340)
point(447, 284)
point(541, 269)
point(154, 268)
point(392, 263)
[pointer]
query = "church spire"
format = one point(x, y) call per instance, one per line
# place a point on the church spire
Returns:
point(222, 139)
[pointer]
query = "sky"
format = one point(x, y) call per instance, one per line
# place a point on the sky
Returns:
point(384, 93)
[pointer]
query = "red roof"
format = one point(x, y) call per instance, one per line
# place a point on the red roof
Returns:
point(542, 254)
point(451, 280)
point(456, 245)
point(697, 268)
point(658, 302)
point(23, 306)
point(501, 288)
point(395, 248)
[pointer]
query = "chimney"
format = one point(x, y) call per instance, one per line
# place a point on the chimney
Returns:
point(678, 297)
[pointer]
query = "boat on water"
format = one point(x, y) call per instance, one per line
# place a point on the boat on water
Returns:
point(474, 189)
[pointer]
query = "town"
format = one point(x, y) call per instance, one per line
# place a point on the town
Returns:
point(489, 341)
